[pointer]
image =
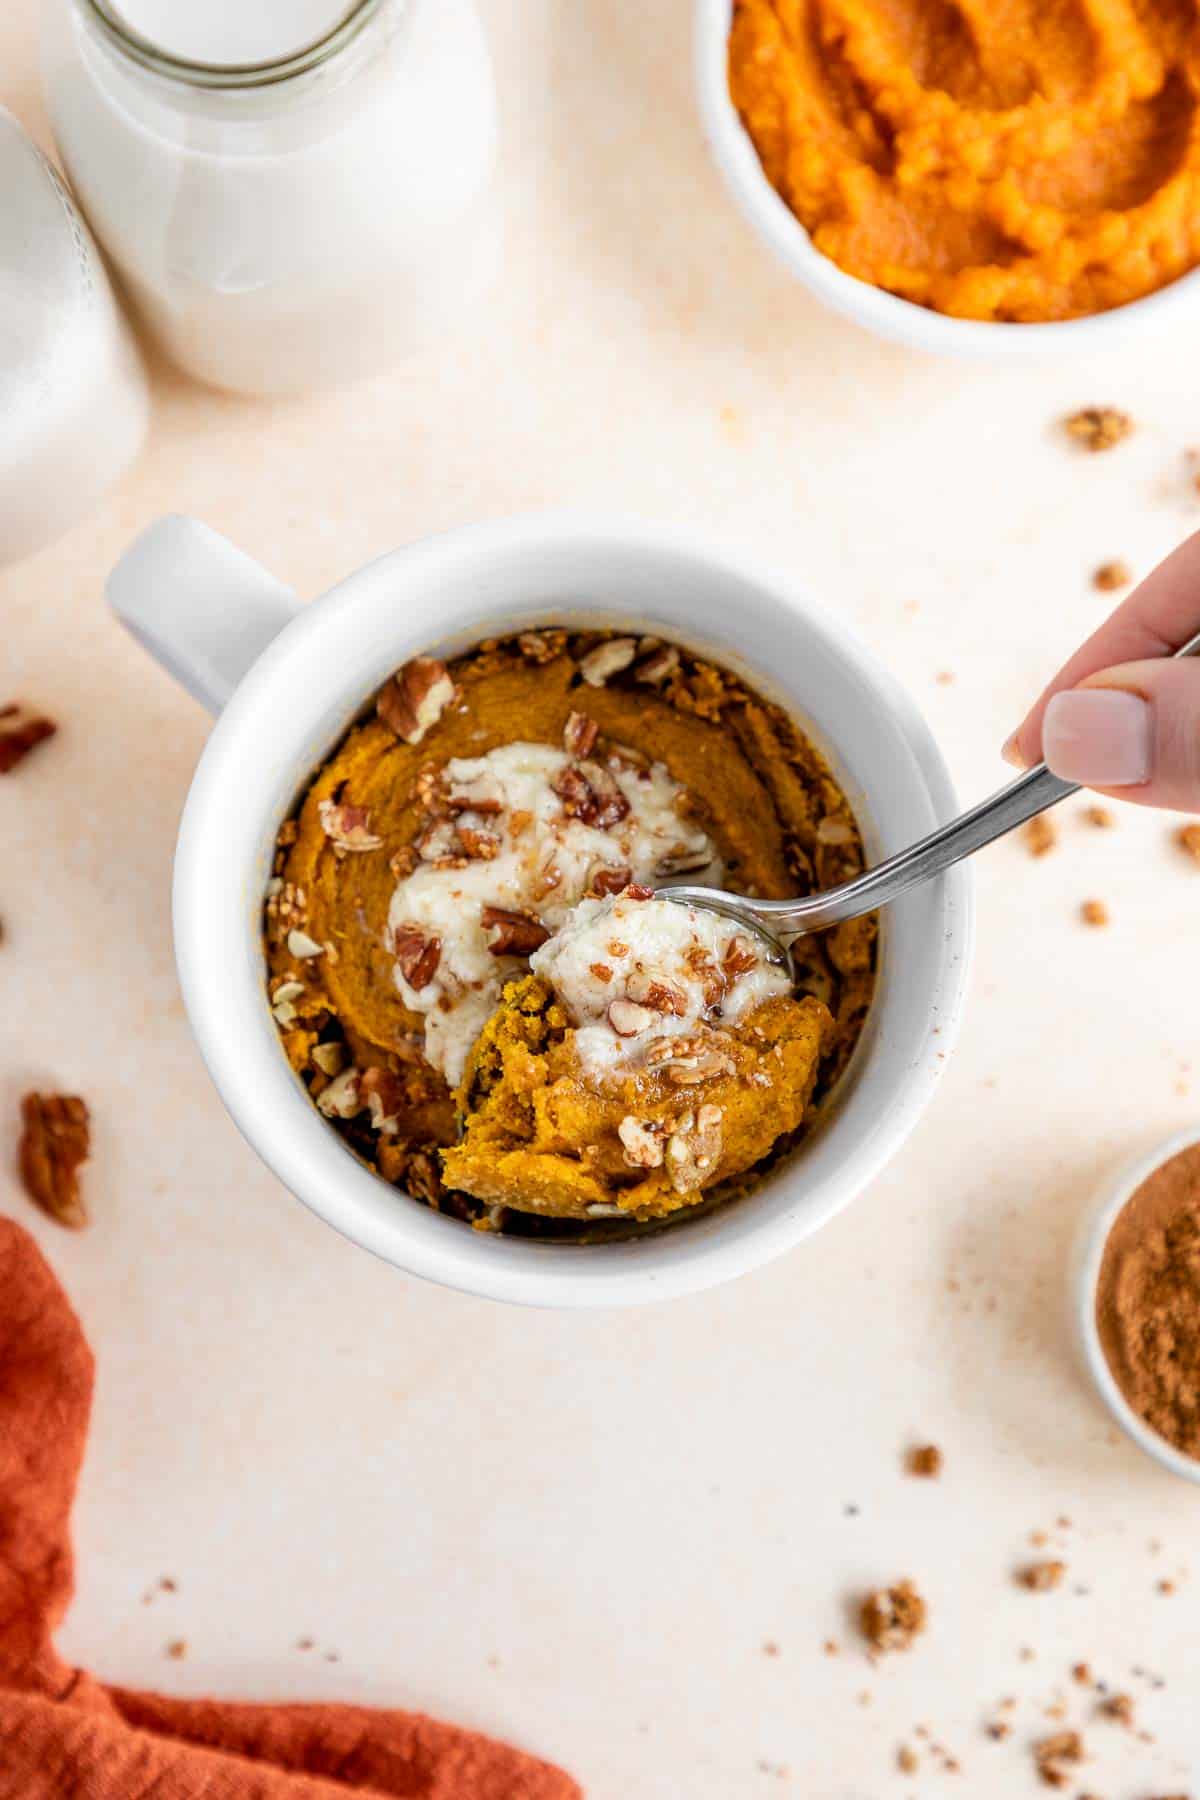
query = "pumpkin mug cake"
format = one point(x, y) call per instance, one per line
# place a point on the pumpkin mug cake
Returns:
point(471, 973)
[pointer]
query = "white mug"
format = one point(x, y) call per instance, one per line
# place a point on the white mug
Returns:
point(288, 680)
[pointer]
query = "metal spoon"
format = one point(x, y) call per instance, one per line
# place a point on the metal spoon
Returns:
point(779, 922)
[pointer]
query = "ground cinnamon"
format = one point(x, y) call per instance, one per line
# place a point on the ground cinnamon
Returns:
point(1148, 1301)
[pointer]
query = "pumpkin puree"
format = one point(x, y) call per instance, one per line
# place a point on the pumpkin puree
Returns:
point(770, 805)
point(1006, 161)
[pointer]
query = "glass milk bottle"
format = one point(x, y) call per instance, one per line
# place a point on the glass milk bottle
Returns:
point(73, 401)
point(293, 192)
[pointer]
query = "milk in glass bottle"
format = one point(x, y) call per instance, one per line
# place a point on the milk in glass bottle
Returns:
point(293, 192)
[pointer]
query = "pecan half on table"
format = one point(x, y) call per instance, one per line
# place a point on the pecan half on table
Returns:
point(55, 1143)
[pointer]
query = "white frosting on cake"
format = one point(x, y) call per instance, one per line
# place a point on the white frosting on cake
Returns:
point(526, 829)
point(634, 972)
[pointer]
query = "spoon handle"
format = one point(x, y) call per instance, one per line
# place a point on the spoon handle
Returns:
point(1020, 801)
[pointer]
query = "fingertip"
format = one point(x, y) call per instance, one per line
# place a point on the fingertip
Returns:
point(1012, 751)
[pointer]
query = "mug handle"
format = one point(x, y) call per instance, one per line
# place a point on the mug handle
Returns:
point(201, 607)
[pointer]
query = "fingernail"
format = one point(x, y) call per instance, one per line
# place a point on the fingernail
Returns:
point(1011, 751)
point(1099, 737)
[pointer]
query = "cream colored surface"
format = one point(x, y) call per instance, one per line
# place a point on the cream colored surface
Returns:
point(581, 1530)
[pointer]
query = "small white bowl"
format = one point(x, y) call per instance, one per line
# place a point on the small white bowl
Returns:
point(1086, 1258)
point(887, 315)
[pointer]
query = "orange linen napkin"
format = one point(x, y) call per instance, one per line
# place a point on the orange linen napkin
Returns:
point(64, 1736)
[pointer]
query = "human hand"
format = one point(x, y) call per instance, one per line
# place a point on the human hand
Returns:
point(1120, 716)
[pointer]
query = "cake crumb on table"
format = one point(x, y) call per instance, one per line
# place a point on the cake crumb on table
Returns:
point(891, 1618)
point(1095, 912)
point(1042, 1577)
point(1188, 839)
point(907, 1760)
point(1098, 427)
point(925, 1460)
point(1118, 1707)
point(1112, 575)
point(1102, 817)
point(177, 1649)
point(1054, 1755)
point(1041, 835)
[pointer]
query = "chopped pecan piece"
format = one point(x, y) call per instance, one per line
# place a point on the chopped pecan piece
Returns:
point(891, 1618)
point(591, 795)
point(612, 881)
point(461, 800)
point(542, 646)
point(303, 947)
point(513, 933)
point(1098, 427)
point(659, 996)
point(694, 1149)
point(329, 1058)
point(658, 667)
point(416, 1170)
point(628, 1019)
point(415, 698)
point(606, 660)
point(682, 860)
point(417, 956)
point(347, 827)
point(21, 730)
point(686, 1062)
point(643, 1148)
point(479, 845)
point(739, 959)
point(635, 891)
point(601, 971)
point(439, 842)
point(283, 1001)
point(342, 1099)
point(428, 788)
point(383, 1093)
point(579, 734)
point(55, 1143)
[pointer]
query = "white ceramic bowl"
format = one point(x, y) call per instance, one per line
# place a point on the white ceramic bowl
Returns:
point(888, 316)
point(207, 612)
point(1087, 1256)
